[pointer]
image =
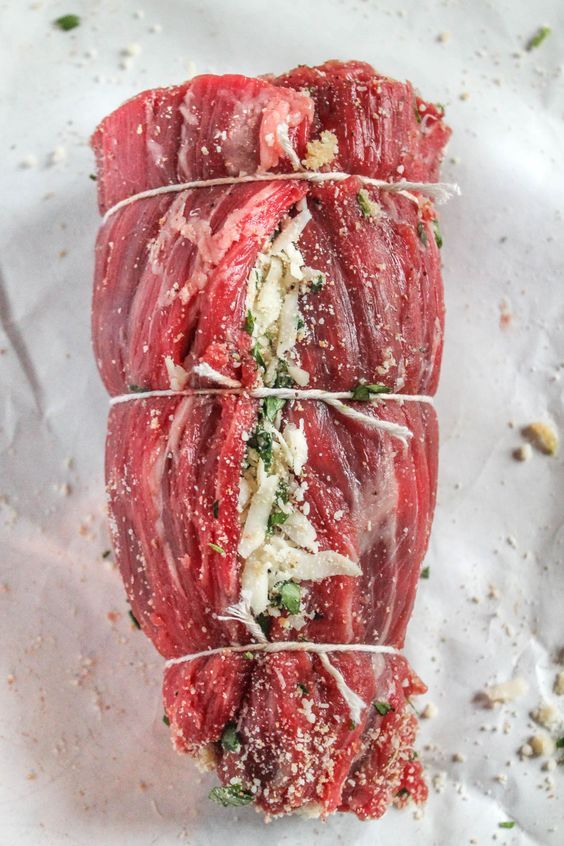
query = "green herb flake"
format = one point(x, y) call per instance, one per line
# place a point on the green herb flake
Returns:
point(290, 595)
point(437, 233)
point(304, 688)
point(560, 743)
point(365, 204)
point(272, 406)
point(230, 740)
point(106, 553)
point(403, 792)
point(135, 389)
point(276, 518)
point(231, 795)
point(261, 441)
point(417, 113)
point(67, 22)
point(283, 378)
point(318, 283)
point(283, 492)
point(249, 323)
point(248, 655)
point(537, 39)
point(425, 573)
point(93, 177)
point(508, 824)
point(134, 619)
point(216, 548)
point(215, 508)
point(265, 622)
point(382, 707)
point(257, 355)
point(166, 720)
point(422, 233)
point(363, 393)
point(352, 725)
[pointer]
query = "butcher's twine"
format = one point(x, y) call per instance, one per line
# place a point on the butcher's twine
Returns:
point(241, 613)
point(439, 191)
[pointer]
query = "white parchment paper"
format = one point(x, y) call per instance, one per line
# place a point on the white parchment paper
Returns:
point(85, 758)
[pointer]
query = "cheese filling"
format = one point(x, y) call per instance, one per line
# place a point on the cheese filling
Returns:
point(278, 541)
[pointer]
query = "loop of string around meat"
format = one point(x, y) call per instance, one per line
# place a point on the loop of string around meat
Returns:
point(334, 399)
point(241, 613)
point(439, 191)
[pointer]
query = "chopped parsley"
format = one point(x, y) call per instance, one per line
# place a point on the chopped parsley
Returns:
point(382, 707)
point(425, 573)
point(230, 740)
point(249, 323)
point(248, 655)
point(257, 355)
point(318, 283)
point(560, 743)
point(134, 619)
point(289, 595)
point(93, 177)
point(265, 622)
point(508, 824)
point(352, 725)
point(437, 233)
point(417, 113)
point(216, 548)
point(421, 232)
point(365, 204)
point(403, 792)
point(135, 389)
point(215, 508)
point(106, 553)
point(303, 687)
point(283, 378)
point(539, 36)
point(276, 518)
point(67, 22)
point(261, 440)
point(282, 492)
point(231, 794)
point(362, 393)
point(166, 720)
point(271, 406)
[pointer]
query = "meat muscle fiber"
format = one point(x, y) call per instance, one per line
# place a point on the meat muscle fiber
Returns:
point(315, 522)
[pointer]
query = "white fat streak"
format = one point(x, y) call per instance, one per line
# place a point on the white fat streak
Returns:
point(355, 704)
point(254, 531)
point(207, 372)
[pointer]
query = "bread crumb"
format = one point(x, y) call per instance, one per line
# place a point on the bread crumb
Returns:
point(546, 715)
point(321, 151)
point(542, 436)
point(526, 751)
point(443, 37)
point(541, 745)
point(559, 683)
point(429, 711)
point(507, 691)
point(549, 766)
point(523, 453)
point(458, 758)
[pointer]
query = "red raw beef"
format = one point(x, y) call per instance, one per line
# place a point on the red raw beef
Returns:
point(171, 281)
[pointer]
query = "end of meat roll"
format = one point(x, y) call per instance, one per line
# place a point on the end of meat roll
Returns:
point(279, 734)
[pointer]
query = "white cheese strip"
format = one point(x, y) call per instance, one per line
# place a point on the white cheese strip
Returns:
point(207, 372)
point(300, 530)
point(296, 442)
point(254, 531)
point(288, 330)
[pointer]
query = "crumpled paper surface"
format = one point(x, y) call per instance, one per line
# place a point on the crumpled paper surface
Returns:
point(85, 758)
